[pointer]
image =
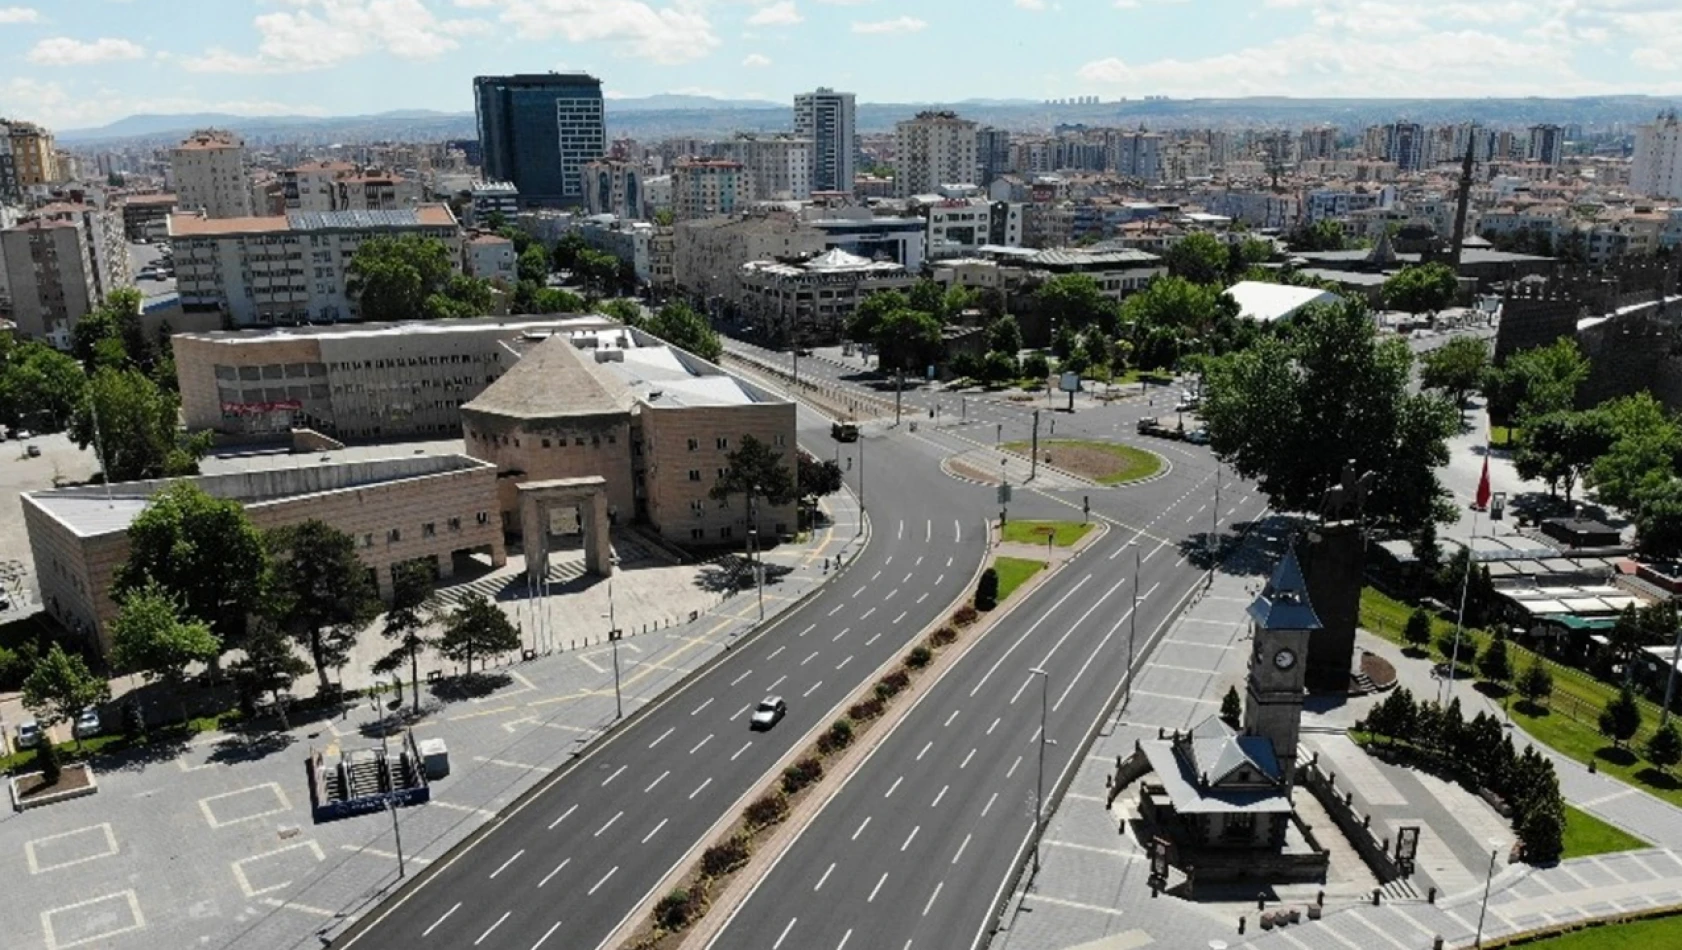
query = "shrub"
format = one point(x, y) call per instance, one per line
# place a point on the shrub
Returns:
point(965, 615)
point(942, 636)
point(724, 857)
point(839, 736)
point(891, 685)
point(46, 759)
point(987, 590)
point(680, 908)
point(765, 811)
point(918, 658)
point(801, 774)
point(1417, 633)
point(865, 710)
point(1232, 707)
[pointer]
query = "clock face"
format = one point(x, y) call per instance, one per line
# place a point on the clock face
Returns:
point(1284, 659)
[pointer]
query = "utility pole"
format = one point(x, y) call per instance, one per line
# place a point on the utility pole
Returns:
point(861, 480)
point(1034, 455)
point(397, 833)
point(1039, 787)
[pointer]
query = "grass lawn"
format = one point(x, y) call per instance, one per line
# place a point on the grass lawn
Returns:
point(1586, 835)
point(1657, 932)
point(1503, 436)
point(1014, 572)
point(1064, 533)
point(1568, 722)
point(1107, 463)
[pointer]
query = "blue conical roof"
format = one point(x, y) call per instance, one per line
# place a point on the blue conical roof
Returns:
point(1283, 604)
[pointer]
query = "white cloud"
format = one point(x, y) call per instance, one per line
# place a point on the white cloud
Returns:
point(781, 13)
point(1034, 5)
point(1651, 57)
point(756, 60)
point(902, 24)
point(317, 34)
point(49, 101)
point(678, 32)
point(19, 15)
point(64, 51)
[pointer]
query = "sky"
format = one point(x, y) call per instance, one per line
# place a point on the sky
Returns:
point(78, 63)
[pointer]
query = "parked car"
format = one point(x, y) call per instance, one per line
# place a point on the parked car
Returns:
point(87, 724)
point(33, 451)
point(770, 711)
point(1198, 437)
point(29, 734)
point(844, 432)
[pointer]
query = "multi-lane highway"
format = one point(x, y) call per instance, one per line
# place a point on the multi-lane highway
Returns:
point(566, 865)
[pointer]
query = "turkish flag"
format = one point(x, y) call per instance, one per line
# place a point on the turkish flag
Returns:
point(1483, 487)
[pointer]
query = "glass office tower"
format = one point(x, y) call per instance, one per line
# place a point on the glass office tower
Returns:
point(537, 131)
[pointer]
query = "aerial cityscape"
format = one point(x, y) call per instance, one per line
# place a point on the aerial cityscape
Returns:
point(688, 475)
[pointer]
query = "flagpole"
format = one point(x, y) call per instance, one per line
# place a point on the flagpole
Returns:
point(1479, 503)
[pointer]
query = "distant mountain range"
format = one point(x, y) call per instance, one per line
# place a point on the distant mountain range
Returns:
point(672, 114)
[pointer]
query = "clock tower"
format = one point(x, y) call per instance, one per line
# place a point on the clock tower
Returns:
point(1282, 619)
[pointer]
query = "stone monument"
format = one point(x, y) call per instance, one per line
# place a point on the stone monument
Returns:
point(1333, 560)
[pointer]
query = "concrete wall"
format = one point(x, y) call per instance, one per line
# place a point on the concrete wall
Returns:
point(562, 447)
point(668, 433)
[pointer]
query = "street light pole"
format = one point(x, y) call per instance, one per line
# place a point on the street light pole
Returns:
point(397, 833)
point(1034, 452)
point(1133, 628)
point(861, 480)
point(1039, 787)
point(1215, 518)
point(1460, 618)
point(1489, 878)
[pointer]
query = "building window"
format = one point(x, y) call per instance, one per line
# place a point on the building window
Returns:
point(545, 443)
point(697, 534)
point(484, 517)
point(393, 536)
point(694, 474)
point(455, 524)
point(429, 530)
point(723, 443)
point(696, 507)
point(694, 444)
point(368, 540)
point(778, 439)
point(595, 441)
point(725, 532)
point(721, 473)
point(578, 441)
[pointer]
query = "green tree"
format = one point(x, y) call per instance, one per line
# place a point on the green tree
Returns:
point(1005, 335)
point(1658, 518)
point(405, 622)
point(533, 264)
point(554, 300)
point(150, 636)
point(987, 590)
point(870, 313)
point(626, 311)
point(1232, 707)
point(907, 340)
point(1456, 368)
point(1320, 236)
point(61, 686)
point(1536, 683)
point(462, 296)
point(682, 327)
point(1542, 829)
point(1494, 663)
point(568, 249)
point(1421, 288)
point(1075, 300)
point(138, 428)
point(1625, 640)
point(476, 627)
point(1190, 309)
point(204, 552)
point(1536, 381)
point(1562, 447)
point(1198, 257)
point(929, 297)
point(756, 472)
point(1292, 411)
point(391, 278)
point(40, 387)
point(1427, 553)
point(47, 761)
point(817, 478)
point(111, 335)
point(1645, 442)
point(269, 664)
point(998, 367)
point(320, 592)
point(1417, 632)
point(1621, 717)
point(1665, 748)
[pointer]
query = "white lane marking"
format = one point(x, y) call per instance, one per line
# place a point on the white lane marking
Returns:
point(809, 628)
point(546, 935)
point(989, 806)
point(698, 788)
point(860, 830)
point(922, 597)
point(908, 576)
point(778, 683)
point(938, 797)
point(615, 775)
point(900, 617)
point(873, 638)
point(939, 579)
point(950, 718)
point(949, 560)
point(739, 712)
point(704, 705)
point(812, 690)
point(563, 817)
point(901, 528)
point(551, 874)
point(511, 859)
point(860, 592)
point(609, 824)
point(928, 534)
point(891, 788)
point(428, 931)
point(487, 933)
point(703, 742)
point(744, 748)
point(784, 935)
point(778, 650)
point(967, 758)
point(925, 751)
point(656, 830)
point(1013, 766)
point(890, 559)
point(662, 738)
point(745, 675)
point(909, 837)
point(844, 938)
point(936, 894)
point(995, 725)
point(810, 658)
point(867, 613)
point(891, 594)
point(961, 848)
point(827, 871)
point(957, 537)
point(849, 659)
point(657, 781)
point(919, 561)
point(1029, 632)
point(868, 900)
point(844, 632)
point(598, 884)
point(837, 609)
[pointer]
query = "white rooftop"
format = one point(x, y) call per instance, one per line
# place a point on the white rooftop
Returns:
point(1267, 303)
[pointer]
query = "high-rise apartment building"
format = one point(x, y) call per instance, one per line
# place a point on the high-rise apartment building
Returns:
point(1136, 155)
point(209, 172)
point(1547, 144)
point(10, 191)
point(932, 149)
point(702, 188)
point(538, 131)
point(50, 278)
point(779, 167)
point(1318, 143)
point(992, 153)
point(1404, 144)
point(1657, 166)
point(612, 186)
point(343, 186)
point(33, 155)
point(101, 229)
point(829, 119)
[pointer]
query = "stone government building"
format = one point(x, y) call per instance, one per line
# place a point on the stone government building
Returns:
point(534, 401)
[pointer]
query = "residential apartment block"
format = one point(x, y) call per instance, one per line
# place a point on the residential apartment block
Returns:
point(828, 119)
point(34, 159)
point(1657, 167)
point(702, 188)
point(613, 186)
point(50, 278)
point(209, 172)
point(343, 186)
point(779, 167)
point(932, 149)
point(811, 300)
point(288, 269)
